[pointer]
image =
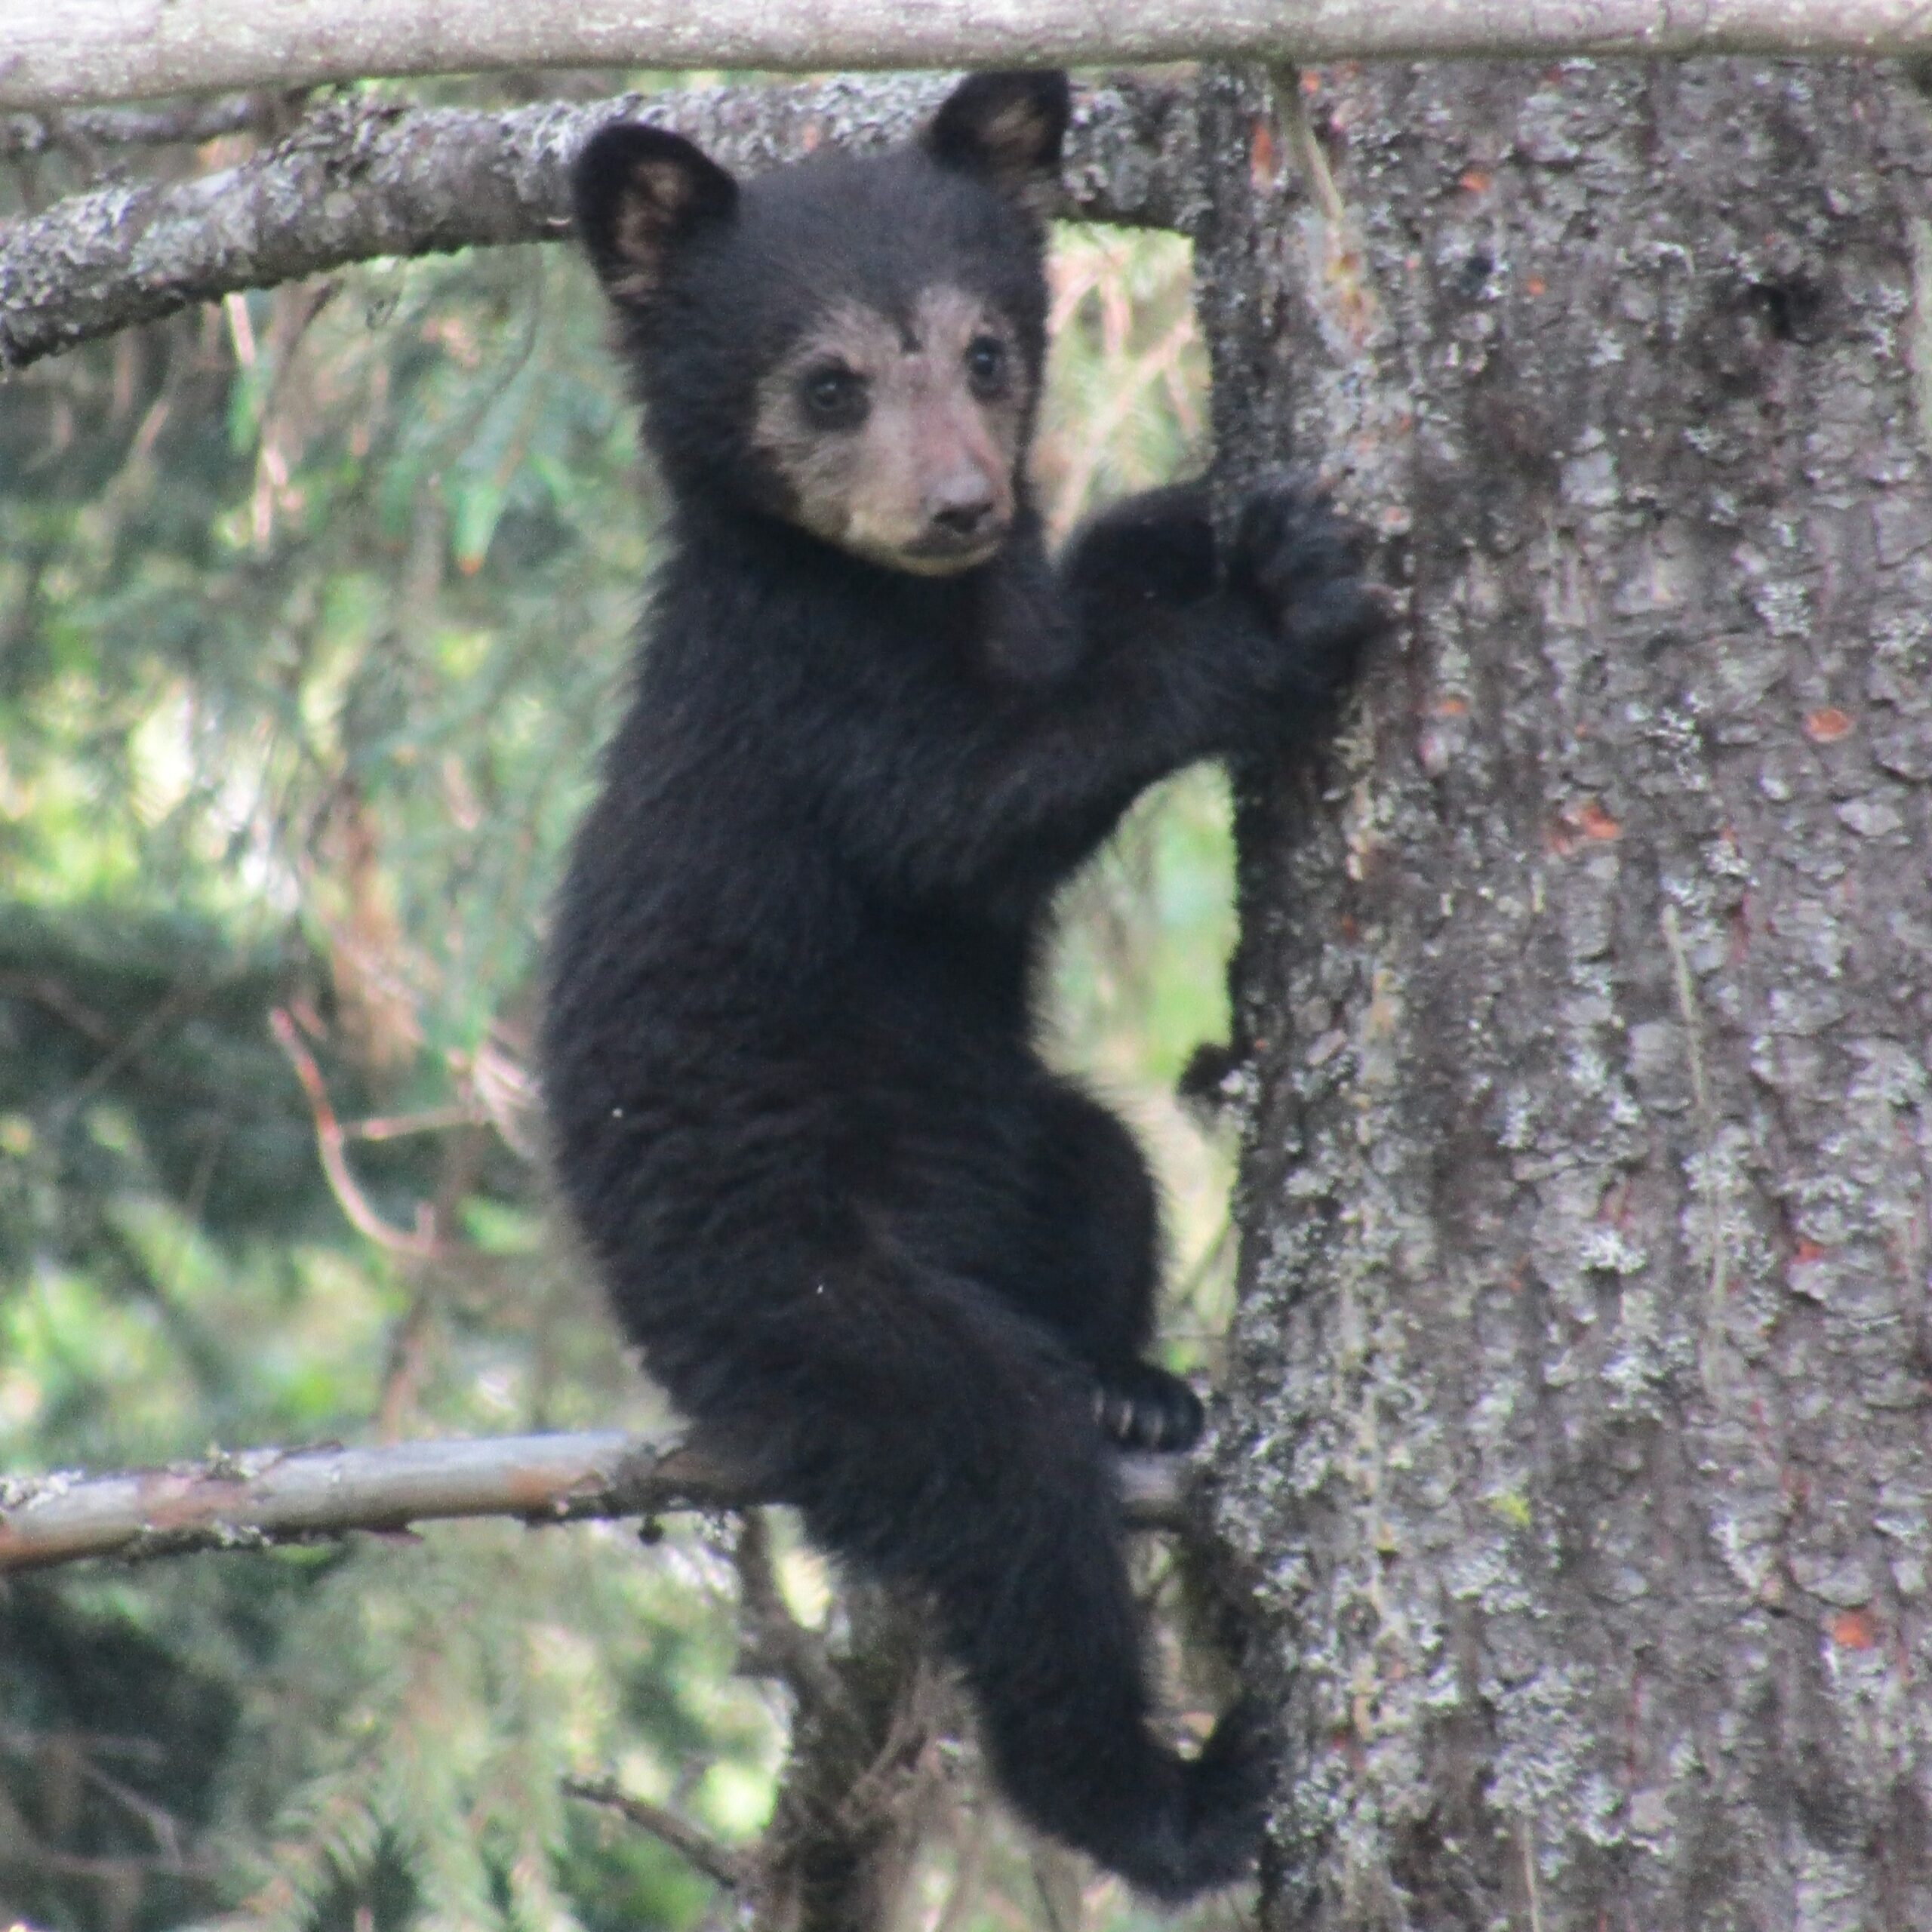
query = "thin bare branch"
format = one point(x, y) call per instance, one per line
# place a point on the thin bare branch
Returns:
point(422, 1243)
point(397, 1127)
point(772, 1642)
point(359, 179)
point(969, 1870)
point(43, 1861)
point(718, 1863)
point(88, 50)
point(59, 999)
point(252, 1499)
point(130, 127)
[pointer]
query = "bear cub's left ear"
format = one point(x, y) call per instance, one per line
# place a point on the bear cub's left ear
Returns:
point(1007, 128)
point(639, 193)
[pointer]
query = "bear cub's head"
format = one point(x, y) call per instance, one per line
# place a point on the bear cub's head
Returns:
point(852, 346)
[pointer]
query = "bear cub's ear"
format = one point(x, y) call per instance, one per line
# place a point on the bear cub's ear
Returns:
point(1006, 127)
point(637, 193)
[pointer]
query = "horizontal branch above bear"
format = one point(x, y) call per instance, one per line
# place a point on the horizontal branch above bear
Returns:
point(88, 51)
point(255, 1498)
point(358, 179)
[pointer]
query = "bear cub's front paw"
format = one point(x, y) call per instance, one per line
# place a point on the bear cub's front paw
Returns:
point(1141, 1407)
point(1301, 562)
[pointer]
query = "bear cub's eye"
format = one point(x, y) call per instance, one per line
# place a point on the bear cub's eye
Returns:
point(834, 394)
point(985, 365)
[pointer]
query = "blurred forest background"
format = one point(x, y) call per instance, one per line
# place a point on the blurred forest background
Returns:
point(314, 608)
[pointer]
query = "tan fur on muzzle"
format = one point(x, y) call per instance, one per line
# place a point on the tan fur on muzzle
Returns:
point(930, 454)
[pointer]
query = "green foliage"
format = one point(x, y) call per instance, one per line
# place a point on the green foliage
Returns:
point(424, 1701)
point(314, 608)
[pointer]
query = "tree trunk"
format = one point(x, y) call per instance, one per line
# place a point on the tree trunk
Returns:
point(1582, 1379)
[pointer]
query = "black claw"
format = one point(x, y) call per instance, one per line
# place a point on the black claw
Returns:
point(1141, 1407)
point(1303, 561)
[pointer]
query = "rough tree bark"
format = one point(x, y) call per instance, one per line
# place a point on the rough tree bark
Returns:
point(1580, 1390)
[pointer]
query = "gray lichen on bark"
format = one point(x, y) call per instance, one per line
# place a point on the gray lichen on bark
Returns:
point(1581, 1382)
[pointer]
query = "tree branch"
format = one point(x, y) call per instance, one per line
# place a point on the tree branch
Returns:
point(88, 50)
point(772, 1642)
point(420, 1244)
point(193, 122)
point(256, 1498)
point(718, 1862)
point(360, 178)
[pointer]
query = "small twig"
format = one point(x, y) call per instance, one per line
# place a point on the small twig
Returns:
point(1346, 290)
point(43, 1861)
point(29, 1743)
point(402, 1367)
point(968, 1871)
point(130, 127)
point(163, 1826)
point(906, 1768)
point(430, 1120)
point(43, 990)
point(1057, 1882)
point(718, 1862)
point(774, 1643)
point(132, 1045)
point(505, 1095)
point(421, 1245)
point(1308, 154)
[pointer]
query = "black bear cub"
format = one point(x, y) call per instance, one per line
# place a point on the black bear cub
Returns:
point(879, 1254)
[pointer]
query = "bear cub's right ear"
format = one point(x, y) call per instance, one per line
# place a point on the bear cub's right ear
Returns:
point(1007, 128)
point(637, 193)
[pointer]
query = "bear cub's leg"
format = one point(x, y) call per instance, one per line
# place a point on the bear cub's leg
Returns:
point(1096, 1200)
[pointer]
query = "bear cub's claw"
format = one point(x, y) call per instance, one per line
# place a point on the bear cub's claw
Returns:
point(1301, 560)
point(1141, 1407)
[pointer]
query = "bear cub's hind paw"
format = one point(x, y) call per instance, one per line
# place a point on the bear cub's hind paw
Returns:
point(1141, 1407)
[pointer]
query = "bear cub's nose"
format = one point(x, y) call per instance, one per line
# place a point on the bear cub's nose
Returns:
point(961, 505)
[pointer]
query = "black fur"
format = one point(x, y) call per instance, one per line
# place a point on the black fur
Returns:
point(868, 1241)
